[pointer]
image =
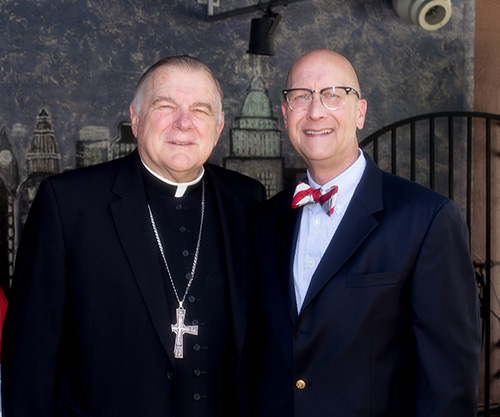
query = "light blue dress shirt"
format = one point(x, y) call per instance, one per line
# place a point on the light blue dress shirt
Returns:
point(317, 228)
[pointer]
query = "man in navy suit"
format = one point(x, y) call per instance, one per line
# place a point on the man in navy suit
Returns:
point(130, 293)
point(368, 300)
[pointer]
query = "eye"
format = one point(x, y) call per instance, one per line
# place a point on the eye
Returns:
point(202, 110)
point(164, 105)
point(301, 96)
point(331, 95)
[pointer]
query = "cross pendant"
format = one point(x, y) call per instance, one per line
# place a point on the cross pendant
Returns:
point(180, 329)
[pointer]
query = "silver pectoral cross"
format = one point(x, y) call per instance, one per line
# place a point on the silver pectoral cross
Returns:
point(180, 329)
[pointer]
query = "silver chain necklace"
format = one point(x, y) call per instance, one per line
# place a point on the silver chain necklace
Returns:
point(180, 328)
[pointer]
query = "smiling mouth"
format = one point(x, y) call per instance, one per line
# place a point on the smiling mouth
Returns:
point(318, 132)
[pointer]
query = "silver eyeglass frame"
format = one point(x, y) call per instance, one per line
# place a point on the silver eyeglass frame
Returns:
point(320, 92)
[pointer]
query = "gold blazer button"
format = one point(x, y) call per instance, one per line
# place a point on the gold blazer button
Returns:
point(300, 384)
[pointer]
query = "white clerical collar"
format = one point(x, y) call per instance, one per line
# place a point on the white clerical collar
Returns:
point(181, 186)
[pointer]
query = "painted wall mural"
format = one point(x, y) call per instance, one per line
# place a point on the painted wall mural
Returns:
point(68, 69)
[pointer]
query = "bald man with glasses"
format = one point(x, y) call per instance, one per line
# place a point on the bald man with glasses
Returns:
point(368, 300)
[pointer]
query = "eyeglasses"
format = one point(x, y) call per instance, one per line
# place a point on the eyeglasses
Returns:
point(333, 98)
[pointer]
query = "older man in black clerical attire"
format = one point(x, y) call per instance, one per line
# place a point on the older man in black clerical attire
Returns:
point(130, 296)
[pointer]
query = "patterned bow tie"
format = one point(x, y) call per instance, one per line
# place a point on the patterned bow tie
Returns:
point(304, 194)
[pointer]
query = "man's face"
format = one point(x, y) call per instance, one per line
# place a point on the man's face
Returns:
point(325, 139)
point(178, 125)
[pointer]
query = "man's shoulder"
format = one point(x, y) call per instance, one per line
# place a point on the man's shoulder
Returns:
point(90, 177)
point(401, 196)
point(230, 175)
point(278, 203)
point(233, 180)
point(398, 188)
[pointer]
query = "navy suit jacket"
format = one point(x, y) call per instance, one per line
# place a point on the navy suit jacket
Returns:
point(88, 332)
point(390, 323)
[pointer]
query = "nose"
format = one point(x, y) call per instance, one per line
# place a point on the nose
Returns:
point(316, 109)
point(183, 120)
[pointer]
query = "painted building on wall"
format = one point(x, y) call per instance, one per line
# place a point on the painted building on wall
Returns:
point(42, 160)
point(255, 147)
point(255, 151)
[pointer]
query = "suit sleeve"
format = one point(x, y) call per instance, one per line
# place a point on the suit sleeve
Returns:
point(446, 320)
point(32, 326)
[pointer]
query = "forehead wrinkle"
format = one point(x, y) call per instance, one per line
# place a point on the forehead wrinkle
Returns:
point(165, 71)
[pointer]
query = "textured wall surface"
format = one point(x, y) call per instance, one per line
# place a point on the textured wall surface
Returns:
point(487, 99)
point(80, 59)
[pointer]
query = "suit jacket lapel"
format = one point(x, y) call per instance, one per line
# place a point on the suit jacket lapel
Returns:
point(356, 226)
point(136, 234)
point(287, 231)
point(229, 209)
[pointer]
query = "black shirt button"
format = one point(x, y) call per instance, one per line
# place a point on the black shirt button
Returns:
point(197, 372)
point(170, 375)
point(185, 253)
point(191, 298)
point(196, 347)
point(178, 206)
point(197, 397)
point(182, 229)
point(188, 275)
point(195, 322)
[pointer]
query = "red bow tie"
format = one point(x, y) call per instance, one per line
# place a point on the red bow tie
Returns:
point(304, 194)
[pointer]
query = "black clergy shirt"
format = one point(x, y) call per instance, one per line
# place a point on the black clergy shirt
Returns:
point(205, 378)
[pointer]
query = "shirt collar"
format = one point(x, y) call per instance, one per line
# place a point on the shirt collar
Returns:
point(347, 182)
point(181, 187)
